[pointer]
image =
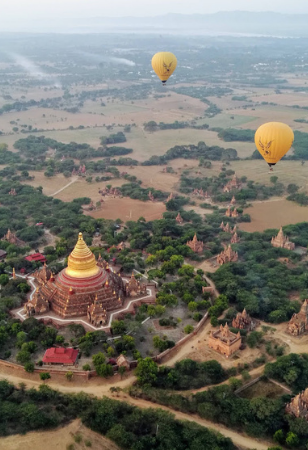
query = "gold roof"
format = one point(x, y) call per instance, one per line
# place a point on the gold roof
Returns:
point(81, 262)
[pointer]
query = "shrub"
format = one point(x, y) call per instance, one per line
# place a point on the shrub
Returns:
point(188, 329)
point(29, 367)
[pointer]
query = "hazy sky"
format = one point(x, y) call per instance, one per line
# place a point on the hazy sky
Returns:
point(36, 9)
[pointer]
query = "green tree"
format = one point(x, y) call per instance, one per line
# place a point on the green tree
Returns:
point(188, 329)
point(4, 279)
point(45, 376)
point(69, 375)
point(146, 372)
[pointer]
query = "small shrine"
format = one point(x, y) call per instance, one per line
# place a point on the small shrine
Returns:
point(38, 304)
point(282, 241)
point(233, 184)
point(134, 287)
point(227, 256)
point(123, 362)
point(226, 228)
point(224, 341)
point(298, 406)
point(97, 315)
point(298, 323)
point(171, 197)
point(179, 219)
point(12, 192)
point(243, 321)
point(231, 212)
point(235, 239)
point(195, 245)
point(233, 201)
point(151, 196)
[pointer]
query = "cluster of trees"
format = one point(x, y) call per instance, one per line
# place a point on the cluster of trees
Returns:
point(213, 185)
point(115, 138)
point(260, 282)
point(233, 134)
point(176, 125)
point(259, 417)
point(135, 191)
point(201, 150)
point(129, 427)
point(186, 374)
point(291, 369)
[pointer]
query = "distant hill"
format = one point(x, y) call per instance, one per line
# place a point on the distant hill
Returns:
point(234, 22)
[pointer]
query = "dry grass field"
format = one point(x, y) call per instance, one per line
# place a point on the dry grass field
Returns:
point(274, 214)
point(58, 439)
point(128, 209)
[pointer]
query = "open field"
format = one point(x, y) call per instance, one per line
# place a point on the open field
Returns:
point(58, 439)
point(128, 209)
point(274, 214)
point(286, 171)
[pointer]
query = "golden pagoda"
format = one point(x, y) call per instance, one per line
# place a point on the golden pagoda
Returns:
point(82, 283)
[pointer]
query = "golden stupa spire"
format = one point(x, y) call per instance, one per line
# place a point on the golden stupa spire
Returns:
point(81, 262)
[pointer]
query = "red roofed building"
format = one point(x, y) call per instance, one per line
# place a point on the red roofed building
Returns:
point(66, 356)
point(36, 257)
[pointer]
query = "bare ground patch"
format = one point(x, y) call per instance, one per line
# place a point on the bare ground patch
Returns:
point(128, 209)
point(57, 439)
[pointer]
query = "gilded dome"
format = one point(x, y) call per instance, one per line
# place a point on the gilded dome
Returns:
point(81, 262)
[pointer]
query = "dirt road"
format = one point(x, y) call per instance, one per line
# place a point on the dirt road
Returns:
point(104, 390)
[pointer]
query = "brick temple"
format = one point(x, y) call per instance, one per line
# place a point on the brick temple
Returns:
point(195, 245)
point(298, 406)
point(86, 287)
point(282, 241)
point(299, 321)
point(11, 237)
point(243, 321)
point(227, 255)
point(224, 341)
point(233, 184)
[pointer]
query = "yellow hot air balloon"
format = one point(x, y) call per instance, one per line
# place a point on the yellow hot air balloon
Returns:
point(164, 64)
point(273, 140)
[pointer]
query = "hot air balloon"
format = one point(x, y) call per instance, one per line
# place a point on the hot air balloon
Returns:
point(164, 64)
point(273, 140)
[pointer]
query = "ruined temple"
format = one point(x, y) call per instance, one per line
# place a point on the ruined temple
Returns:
point(243, 321)
point(151, 196)
point(224, 341)
point(83, 283)
point(231, 212)
point(226, 256)
point(195, 245)
point(233, 201)
point(299, 321)
point(298, 406)
point(233, 184)
point(12, 239)
point(282, 241)
point(226, 228)
point(13, 192)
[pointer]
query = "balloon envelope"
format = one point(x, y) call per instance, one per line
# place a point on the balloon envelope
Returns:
point(164, 64)
point(274, 140)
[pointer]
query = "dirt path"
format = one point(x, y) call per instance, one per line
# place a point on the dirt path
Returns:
point(64, 187)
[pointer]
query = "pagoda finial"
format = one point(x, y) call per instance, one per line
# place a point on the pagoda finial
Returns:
point(80, 237)
point(14, 274)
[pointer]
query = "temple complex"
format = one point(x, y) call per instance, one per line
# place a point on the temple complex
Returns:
point(195, 245)
point(86, 287)
point(243, 321)
point(226, 256)
point(298, 406)
point(299, 321)
point(232, 184)
point(235, 239)
point(12, 239)
point(134, 287)
point(224, 341)
point(282, 241)
point(179, 219)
